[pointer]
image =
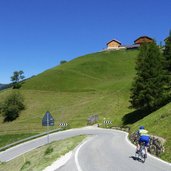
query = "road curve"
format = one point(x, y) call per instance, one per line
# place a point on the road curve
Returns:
point(106, 150)
point(109, 151)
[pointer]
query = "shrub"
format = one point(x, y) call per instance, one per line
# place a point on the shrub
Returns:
point(16, 85)
point(26, 165)
point(63, 62)
point(48, 151)
point(12, 106)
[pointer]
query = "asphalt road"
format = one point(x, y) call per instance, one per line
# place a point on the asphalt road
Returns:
point(104, 150)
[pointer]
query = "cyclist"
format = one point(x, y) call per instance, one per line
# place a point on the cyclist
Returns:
point(143, 137)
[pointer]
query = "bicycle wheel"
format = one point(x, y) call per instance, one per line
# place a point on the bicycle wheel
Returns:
point(159, 147)
point(152, 149)
point(158, 143)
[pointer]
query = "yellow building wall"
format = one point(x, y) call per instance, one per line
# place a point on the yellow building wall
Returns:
point(113, 44)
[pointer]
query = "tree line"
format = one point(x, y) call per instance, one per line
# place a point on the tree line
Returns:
point(151, 86)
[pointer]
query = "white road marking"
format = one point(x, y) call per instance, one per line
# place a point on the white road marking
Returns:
point(76, 154)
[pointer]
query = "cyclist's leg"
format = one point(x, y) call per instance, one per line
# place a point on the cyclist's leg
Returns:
point(138, 144)
point(146, 141)
point(138, 147)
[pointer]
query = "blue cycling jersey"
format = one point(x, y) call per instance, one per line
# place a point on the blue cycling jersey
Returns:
point(145, 139)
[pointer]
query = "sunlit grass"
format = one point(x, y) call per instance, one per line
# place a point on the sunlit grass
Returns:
point(41, 157)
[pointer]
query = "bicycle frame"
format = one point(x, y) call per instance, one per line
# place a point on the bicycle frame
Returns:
point(141, 154)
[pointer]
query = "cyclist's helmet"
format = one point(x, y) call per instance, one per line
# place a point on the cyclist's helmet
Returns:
point(141, 127)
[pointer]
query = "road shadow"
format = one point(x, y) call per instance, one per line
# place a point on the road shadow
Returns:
point(134, 116)
point(136, 159)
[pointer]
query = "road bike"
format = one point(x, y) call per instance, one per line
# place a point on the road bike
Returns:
point(141, 154)
point(155, 146)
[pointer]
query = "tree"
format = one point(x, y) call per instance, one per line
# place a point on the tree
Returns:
point(16, 78)
point(63, 62)
point(167, 53)
point(148, 89)
point(12, 106)
point(167, 63)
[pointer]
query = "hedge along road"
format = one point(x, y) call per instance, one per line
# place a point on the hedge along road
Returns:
point(106, 150)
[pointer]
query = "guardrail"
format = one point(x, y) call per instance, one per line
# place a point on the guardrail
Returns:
point(29, 138)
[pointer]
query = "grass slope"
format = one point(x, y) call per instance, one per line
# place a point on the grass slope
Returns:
point(97, 83)
point(99, 71)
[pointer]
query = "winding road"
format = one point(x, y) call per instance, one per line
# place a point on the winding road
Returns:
point(103, 150)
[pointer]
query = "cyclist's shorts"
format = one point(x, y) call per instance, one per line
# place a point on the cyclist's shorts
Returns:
point(145, 139)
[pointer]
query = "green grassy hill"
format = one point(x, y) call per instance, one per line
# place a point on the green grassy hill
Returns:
point(98, 71)
point(97, 83)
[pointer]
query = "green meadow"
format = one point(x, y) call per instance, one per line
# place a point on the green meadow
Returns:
point(97, 83)
point(92, 84)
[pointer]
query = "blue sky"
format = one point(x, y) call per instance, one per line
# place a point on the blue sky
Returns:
point(36, 35)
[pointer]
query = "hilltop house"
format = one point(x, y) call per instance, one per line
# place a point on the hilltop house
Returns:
point(139, 41)
point(114, 45)
point(142, 39)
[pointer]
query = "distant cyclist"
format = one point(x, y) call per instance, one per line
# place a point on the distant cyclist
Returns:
point(143, 137)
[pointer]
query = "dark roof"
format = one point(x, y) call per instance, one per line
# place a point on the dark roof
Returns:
point(143, 37)
point(114, 41)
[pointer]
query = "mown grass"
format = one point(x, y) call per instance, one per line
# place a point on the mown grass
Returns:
point(72, 107)
point(42, 157)
point(99, 71)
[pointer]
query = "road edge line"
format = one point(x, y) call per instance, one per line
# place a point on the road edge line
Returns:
point(77, 151)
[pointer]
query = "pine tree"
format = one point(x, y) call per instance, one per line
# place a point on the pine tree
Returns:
point(147, 92)
point(167, 64)
point(167, 53)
